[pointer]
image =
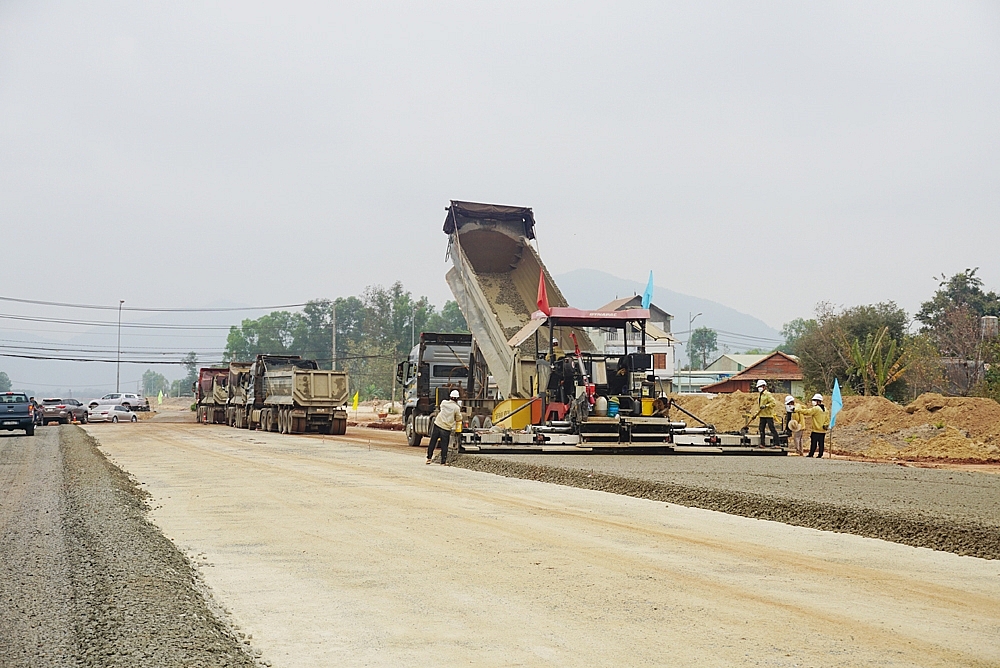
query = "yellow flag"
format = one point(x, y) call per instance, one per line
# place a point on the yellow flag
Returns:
point(159, 397)
point(355, 401)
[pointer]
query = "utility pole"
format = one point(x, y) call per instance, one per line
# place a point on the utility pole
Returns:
point(333, 326)
point(118, 373)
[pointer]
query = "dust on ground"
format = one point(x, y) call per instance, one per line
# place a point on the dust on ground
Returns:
point(931, 428)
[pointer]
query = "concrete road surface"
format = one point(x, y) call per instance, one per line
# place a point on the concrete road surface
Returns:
point(330, 553)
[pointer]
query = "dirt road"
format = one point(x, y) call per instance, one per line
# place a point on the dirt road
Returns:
point(330, 553)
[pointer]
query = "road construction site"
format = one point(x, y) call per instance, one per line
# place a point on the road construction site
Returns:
point(317, 550)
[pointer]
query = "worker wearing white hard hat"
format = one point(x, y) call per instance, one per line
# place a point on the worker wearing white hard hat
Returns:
point(449, 416)
point(765, 411)
point(819, 422)
point(556, 351)
point(793, 423)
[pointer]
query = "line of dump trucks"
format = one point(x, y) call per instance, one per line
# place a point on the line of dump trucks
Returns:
point(521, 392)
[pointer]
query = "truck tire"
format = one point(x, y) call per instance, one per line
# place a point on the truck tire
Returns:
point(412, 437)
point(340, 426)
point(30, 431)
point(274, 420)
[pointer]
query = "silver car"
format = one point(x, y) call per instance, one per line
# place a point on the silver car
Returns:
point(128, 399)
point(116, 413)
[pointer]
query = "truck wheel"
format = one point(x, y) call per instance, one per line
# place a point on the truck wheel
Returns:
point(273, 421)
point(283, 421)
point(30, 431)
point(412, 437)
point(340, 426)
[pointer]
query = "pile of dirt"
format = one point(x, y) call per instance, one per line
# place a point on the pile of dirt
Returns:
point(931, 427)
point(728, 412)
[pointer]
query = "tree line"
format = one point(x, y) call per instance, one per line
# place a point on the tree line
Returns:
point(877, 349)
point(375, 331)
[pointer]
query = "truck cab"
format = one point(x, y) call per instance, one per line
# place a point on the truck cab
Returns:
point(435, 367)
point(17, 412)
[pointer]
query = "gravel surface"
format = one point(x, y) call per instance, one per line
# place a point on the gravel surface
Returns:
point(85, 579)
point(953, 511)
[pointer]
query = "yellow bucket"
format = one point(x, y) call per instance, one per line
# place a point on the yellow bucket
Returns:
point(647, 406)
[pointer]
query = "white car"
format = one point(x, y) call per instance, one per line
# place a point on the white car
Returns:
point(129, 400)
point(117, 413)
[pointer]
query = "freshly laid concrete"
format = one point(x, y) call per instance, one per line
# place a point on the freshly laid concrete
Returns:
point(330, 553)
point(954, 511)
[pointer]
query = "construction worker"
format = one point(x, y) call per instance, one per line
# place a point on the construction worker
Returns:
point(793, 422)
point(765, 411)
point(819, 422)
point(448, 417)
point(557, 353)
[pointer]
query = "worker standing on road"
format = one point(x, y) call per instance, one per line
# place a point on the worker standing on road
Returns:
point(449, 415)
point(793, 423)
point(765, 411)
point(819, 423)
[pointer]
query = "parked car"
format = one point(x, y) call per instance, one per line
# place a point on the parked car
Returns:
point(116, 413)
point(63, 410)
point(131, 401)
point(17, 412)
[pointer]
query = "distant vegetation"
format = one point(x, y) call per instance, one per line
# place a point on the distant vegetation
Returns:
point(873, 349)
point(374, 332)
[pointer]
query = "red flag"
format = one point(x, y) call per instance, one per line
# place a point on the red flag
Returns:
point(543, 297)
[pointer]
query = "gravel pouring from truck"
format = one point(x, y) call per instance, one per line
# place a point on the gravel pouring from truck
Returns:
point(290, 395)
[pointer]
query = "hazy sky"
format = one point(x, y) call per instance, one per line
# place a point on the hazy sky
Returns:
point(764, 155)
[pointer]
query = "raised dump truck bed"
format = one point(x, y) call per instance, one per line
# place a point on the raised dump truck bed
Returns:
point(495, 282)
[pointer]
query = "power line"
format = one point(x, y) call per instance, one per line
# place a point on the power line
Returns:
point(153, 310)
point(105, 323)
point(91, 359)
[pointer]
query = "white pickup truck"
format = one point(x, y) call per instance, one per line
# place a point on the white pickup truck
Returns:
point(131, 401)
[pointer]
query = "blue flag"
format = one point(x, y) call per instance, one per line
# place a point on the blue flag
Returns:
point(647, 296)
point(836, 403)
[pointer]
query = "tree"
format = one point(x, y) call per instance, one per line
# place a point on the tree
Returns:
point(924, 373)
point(874, 363)
point(703, 342)
point(821, 350)
point(190, 362)
point(449, 320)
point(793, 331)
point(964, 289)
point(153, 383)
point(5, 383)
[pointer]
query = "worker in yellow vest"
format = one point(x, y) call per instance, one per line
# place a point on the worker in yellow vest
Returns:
point(819, 421)
point(765, 411)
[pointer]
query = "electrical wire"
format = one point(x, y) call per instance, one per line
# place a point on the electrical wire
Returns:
point(114, 324)
point(153, 310)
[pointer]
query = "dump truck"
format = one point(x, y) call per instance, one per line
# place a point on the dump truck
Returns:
point(236, 394)
point(557, 391)
point(435, 366)
point(212, 394)
point(291, 395)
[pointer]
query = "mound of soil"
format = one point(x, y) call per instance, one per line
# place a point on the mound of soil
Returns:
point(932, 427)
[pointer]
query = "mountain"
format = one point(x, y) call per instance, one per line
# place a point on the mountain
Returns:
point(589, 288)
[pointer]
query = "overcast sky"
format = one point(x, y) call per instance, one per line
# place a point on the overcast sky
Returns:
point(764, 155)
